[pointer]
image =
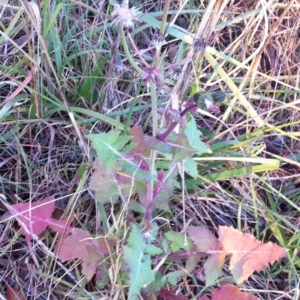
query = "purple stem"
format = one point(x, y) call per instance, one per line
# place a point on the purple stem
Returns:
point(193, 105)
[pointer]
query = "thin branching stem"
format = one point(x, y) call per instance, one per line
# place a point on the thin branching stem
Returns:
point(128, 55)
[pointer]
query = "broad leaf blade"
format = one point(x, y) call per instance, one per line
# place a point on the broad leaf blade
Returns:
point(140, 272)
point(156, 144)
point(138, 139)
point(181, 149)
point(81, 245)
point(190, 167)
point(109, 147)
point(193, 135)
point(108, 184)
point(34, 217)
point(231, 292)
point(205, 241)
point(248, 254)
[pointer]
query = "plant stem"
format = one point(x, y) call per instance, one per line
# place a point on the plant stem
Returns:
point(170, 129)
point(164, 18)
point(150, 185)
point(127, 53)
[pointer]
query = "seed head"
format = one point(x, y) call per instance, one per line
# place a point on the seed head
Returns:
point(198, 45)
point(157, 40)
point(124, 15)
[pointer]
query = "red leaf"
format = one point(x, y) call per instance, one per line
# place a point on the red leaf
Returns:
point(205, 241)
point(169, 295)
point(81, 245)
point(34, 217)
point(106, 184)
point(138, 139)
point(203, 298)
point(61, 226)
point(231, 292)
point(101, 180)
point(13, 293)
point(248, 254)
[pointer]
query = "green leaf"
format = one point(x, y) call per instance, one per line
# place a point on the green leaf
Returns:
point(181, 149)
point(213, 268)
point(218, 96)
point(179, 241)
point(94, 114)
point(193, 135)
point(156, 144)
point(190, 167)
point(154, 286)
point(112, 148)
point(53, 18)
point(107, 185)
point(163, 191)
point(138, 173)
point(172, 277)
point(109, 146)
point(140, 272)
point(153, 250)
point(94, 78)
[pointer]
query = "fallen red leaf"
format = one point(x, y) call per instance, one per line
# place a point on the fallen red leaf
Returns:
point(203, 298)
point(34, 217)
point(204, 241)
point(81, 245)
point(231, 292)
point(247, 254)
point(169, 295)
point(13, 294)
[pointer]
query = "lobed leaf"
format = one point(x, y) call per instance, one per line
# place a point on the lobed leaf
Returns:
point(190, 167)
point(81, 245)
point(140, 272)
point(205, 241)
point(193, 136)
point(109, 147)
point(248, 254)
point(163, 190)
point(178, 240)
point(229, 292)
point(158, 145)
point(170, 295)
point(108, 184)
point(138, 139)
point(181, 149)
point(34, 217)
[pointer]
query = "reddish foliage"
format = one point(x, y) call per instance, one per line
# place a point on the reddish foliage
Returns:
point(203, 298)
point(203, 238)
point(169, 295)
point(81, 245)
point(34, 217)
point(204, 241)
point(229, 292)
point(248, 254)
point(138, 139)
point(73, 243)
point(13, 293)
